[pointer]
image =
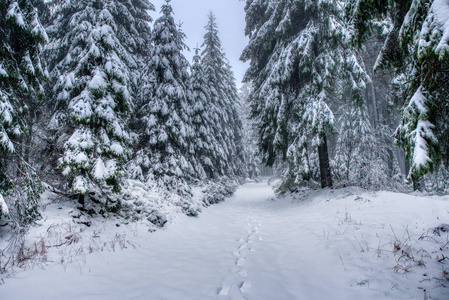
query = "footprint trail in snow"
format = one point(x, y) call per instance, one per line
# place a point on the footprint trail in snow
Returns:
point(236, 279)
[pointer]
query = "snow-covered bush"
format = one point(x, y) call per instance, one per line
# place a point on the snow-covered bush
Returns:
point(216, 191)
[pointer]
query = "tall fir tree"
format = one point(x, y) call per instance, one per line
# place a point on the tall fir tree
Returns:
point(228, 157)
point(22, 74)
point(296, 52)
point(94, 55)
point(166, 114)
point(205, 141)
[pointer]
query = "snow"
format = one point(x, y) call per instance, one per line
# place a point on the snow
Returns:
point(3, 207)
point(15, 13)
point(98, 82)
point(117, 149)
point(421, 150)
point(81, 107)
point(80, 185)
point(435, 30)
point(5, 141)
point(99, 170)
point(423, 134)
point(326, 244)
point(28, 64)
point(81, 158)
point(162, 136)
point(81, 138)
point(3, 71)
point(441, 10)
point(6, 109)
point(418, 101)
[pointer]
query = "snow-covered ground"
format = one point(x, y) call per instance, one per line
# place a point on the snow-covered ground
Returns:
point(328, 244)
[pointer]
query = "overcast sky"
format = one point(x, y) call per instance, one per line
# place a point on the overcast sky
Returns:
point(231, 25)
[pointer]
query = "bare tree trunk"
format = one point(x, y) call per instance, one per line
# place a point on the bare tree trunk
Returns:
point(325, 170)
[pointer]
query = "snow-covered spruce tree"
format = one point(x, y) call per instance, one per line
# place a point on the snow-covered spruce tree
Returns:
point(297, 53)
point(418, 46)
point(228, 153)
point(166, 115)
point(22, 74)
point(205, 141)
point(94, 55)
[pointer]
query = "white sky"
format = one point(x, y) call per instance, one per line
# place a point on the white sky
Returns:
point(231, 24)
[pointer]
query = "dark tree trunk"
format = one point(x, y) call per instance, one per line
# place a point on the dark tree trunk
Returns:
point(417, 185)
point(81, 199)
point(325, 169)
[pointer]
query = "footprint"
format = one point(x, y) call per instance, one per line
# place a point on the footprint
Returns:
point(245, 286)
point(223, 291)
point(240, 262)
point(243, 273)
point(236, 253)
point(242, 247)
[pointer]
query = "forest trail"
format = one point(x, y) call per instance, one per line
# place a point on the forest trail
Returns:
point(326, 244)
point(244, 248)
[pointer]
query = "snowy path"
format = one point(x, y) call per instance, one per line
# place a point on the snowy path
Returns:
point(249, 247)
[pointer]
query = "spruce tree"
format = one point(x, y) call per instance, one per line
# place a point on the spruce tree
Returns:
point(166, 115)
point(228, 157)
point(296, 52)
point(94, 55)
point(22, 74)
point(205, 141)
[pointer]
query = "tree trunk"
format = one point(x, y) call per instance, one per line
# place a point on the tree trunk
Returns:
point(375, 107)
point(325, 169)
point(417, 185)
point(407, 167)
point(81, 199)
